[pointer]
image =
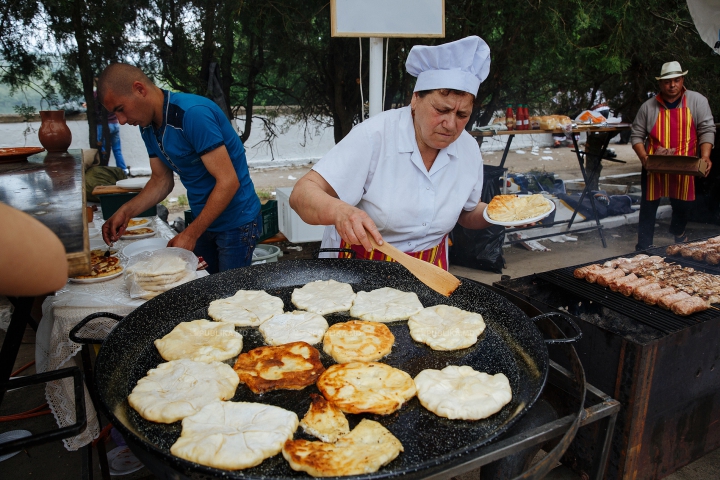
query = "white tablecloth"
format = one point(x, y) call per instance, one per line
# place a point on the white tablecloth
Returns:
point(54, 349)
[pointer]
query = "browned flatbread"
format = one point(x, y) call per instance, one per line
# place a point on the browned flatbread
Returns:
point(105, 266)
point(292, 366)
point(98, 255)
point(510, 208)
point(135, 223)
point(138, 231)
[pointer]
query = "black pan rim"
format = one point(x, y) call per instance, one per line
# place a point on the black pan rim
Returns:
point(448, 460)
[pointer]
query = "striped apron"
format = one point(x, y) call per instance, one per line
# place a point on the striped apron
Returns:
point(436, 255)
point(675, 128)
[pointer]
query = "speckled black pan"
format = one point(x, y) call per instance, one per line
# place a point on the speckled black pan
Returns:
point(511, 344)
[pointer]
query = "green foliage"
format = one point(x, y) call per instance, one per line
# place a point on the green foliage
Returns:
point(26, 111)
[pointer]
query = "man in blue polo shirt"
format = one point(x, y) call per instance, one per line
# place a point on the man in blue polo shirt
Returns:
point(188, 135)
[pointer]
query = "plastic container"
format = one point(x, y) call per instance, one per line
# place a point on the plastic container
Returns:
point(290, 223)
point(270, 219)
point(266, 254)
point(112, 202)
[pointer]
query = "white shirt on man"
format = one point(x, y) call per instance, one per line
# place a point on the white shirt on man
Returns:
point(377, 167)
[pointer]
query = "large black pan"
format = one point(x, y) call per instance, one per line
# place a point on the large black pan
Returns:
point(511, 344)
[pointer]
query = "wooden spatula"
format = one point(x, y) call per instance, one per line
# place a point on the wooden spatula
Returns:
point(433, 276)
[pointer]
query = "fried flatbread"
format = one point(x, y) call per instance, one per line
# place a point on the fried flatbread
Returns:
point(459, 392)
point(358, 341)
point(297, 326)
point(364, 450)
point(325, 421)
point(103, 267)
point(366, 387)
point(200, 340)
point(385, 305)
point(98, 254)
point(511, 208)
point(246, 308)
point(137, 231)
point(292, 366)
point(136, 222)
point(324, 297)
point(234, 435)
point(443, 327)
point(180, 388)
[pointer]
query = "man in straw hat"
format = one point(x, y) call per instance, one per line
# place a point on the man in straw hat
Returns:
point(406, 175)
point(675, 122)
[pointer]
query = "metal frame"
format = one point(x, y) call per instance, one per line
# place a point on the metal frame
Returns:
point(8, 354)
point(587, 179)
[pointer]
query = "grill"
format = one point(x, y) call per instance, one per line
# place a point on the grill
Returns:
point(651, 315)
point(684, 261)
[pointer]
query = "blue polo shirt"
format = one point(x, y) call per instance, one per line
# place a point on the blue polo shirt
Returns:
point(193, 126)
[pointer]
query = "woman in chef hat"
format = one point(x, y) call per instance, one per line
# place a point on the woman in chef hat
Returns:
point(408, 175)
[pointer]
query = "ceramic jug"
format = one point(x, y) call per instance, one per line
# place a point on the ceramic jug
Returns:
point(54, 134)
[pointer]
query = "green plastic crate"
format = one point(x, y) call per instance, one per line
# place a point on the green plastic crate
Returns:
point(270, 219)
point(112, 202)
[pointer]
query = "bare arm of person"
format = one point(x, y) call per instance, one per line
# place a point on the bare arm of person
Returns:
point(705, 149)
point(473, 219)
point(220, 166)
point(32, 258)
point(641, 153)
point(317, 203)
point(158, 187)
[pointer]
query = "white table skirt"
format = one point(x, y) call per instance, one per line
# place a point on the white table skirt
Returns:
point(55, 350)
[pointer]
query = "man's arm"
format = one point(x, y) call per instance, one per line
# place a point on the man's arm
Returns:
point(158, 187)
point(220, 166)
point(32, 258)
point(317, 203)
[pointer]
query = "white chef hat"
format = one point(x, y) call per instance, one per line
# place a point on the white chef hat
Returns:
point(459, 65)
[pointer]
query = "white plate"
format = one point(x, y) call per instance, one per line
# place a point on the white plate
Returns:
point(93, 232)
point(146, 221)
point(122, 461)
point(137, 182)
point(149, 245)
point(98, 279)
point(135, 237)
point(520, 222)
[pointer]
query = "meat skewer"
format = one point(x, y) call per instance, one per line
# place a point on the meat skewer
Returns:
point(605, 279)
point(640, 292)
point(616, 283)
point(583, 271)
point(689, 306)
point(593, 275)
point(667, 301)
point(653, 297)
point(627, 288)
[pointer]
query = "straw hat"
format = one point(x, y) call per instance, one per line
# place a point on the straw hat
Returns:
point(671, 70)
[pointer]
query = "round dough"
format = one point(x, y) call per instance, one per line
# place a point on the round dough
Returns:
point(462, 393)
point(371, 387)
point(180, 388)
point(443, 327)
point(385, 305)
point(323, 297)
point(200, 340)
point(297, 326)
point(358, 341)
point(234, 435)
point(247, 308)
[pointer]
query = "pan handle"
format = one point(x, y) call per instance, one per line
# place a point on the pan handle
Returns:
point(86, 340)
point(348, 251)
point(560, 316)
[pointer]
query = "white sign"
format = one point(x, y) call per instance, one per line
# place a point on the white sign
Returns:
point(387, 18)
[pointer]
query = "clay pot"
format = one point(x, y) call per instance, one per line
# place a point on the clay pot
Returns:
point(54, 134)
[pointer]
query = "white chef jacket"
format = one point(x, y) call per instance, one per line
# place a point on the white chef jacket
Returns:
point(378, 168)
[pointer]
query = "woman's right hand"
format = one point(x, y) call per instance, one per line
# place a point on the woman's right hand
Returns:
point(353, 225)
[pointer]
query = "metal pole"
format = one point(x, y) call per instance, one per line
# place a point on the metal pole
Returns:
point(376, 77)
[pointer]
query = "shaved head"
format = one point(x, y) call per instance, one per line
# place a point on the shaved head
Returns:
point(118, 78)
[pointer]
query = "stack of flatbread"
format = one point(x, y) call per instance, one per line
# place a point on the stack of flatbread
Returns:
point(158, 273)
point(510, 208)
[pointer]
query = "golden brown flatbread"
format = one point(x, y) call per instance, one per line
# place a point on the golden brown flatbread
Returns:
point(138, 231)
point(511, 208)
point(292, 366)
point(104, 267)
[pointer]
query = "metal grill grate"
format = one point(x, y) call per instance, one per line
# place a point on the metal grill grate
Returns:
point(651, 315)
point(684, 261)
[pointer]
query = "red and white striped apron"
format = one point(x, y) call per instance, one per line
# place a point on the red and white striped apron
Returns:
point(436, 255)
point(674, 128)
